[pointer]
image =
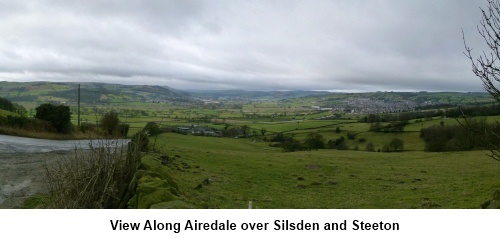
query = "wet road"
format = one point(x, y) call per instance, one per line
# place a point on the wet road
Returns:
point(13, 144)
point(23, 162)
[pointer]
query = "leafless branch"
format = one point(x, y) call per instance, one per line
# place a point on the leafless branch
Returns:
point(487, 68)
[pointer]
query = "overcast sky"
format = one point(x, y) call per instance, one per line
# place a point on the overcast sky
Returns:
point(340, 45)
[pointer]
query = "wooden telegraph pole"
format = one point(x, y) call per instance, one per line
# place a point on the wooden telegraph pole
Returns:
point(78, 105)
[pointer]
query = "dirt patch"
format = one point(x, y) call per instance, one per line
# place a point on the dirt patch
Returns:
point(313, 166)
point(23, 175)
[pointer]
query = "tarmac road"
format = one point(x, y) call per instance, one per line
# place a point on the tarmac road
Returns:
point(23, 162)
point(14, 144)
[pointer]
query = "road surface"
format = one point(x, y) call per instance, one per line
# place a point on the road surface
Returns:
point(23, 161)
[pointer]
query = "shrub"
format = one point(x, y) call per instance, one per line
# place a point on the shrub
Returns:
point(140, 141)
point(280, 137)
point(151, 128)
point(396, 145)
point(342, 146)
point(314, 141)
point(370, 147)
point(351, 136)
point(97, 178)
point(85, 126)
point(292, 145)
point(110, 122)
point(27, 123)
point(375, 127)
point(332, 144)
point(337, 130)
point(58, 116)
point(123, 129)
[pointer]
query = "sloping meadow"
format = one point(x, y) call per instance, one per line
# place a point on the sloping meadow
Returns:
point(208, 172)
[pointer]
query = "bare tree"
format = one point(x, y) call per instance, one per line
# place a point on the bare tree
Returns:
point(487, 68)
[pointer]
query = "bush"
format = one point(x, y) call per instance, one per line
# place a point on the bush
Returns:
point(332, 144)
point(280, 137)
point(370, 147)
point(151, 128)
point(342, 146)
point(110, 122)
point(123, 129)
point(85, 126)
point(140, 141)
point(337, 130)
point(314, 141)
point(97, 178)
point(292, 145)
point(27, 123)
point(396, 145)
point(58, 116)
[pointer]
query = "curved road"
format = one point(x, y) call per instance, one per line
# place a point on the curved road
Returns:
point(23, 162)
point(13, 144)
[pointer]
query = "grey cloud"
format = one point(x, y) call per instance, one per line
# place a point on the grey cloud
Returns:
point(331, 45)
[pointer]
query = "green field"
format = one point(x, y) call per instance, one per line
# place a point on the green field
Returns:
point(243, 170)
point(7, 113)
point(217, 172)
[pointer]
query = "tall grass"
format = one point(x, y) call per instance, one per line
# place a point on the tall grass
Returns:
point(94, 178)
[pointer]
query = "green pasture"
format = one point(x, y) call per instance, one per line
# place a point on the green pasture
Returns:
point(412, 140)
point(7, 113)
point(243, 170)
point(284, 126)
point(417, 126)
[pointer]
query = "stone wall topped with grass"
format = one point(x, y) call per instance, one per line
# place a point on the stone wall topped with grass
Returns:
point(153, 187)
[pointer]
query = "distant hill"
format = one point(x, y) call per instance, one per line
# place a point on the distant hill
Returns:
point(253, 95)
point(90, 92)
point(372, 102)
point(452, 98)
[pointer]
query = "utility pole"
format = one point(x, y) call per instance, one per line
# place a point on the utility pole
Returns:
point(78, 105)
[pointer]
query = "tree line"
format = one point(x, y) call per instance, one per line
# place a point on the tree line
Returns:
point(474, 133)
point(315, 141)
point(57, 119)
point(470, 111)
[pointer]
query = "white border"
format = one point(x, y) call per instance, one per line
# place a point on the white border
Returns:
point(97, 223)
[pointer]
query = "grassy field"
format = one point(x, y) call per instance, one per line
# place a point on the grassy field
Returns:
point(7, 113)
point(243, 170)
point(228, 173)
